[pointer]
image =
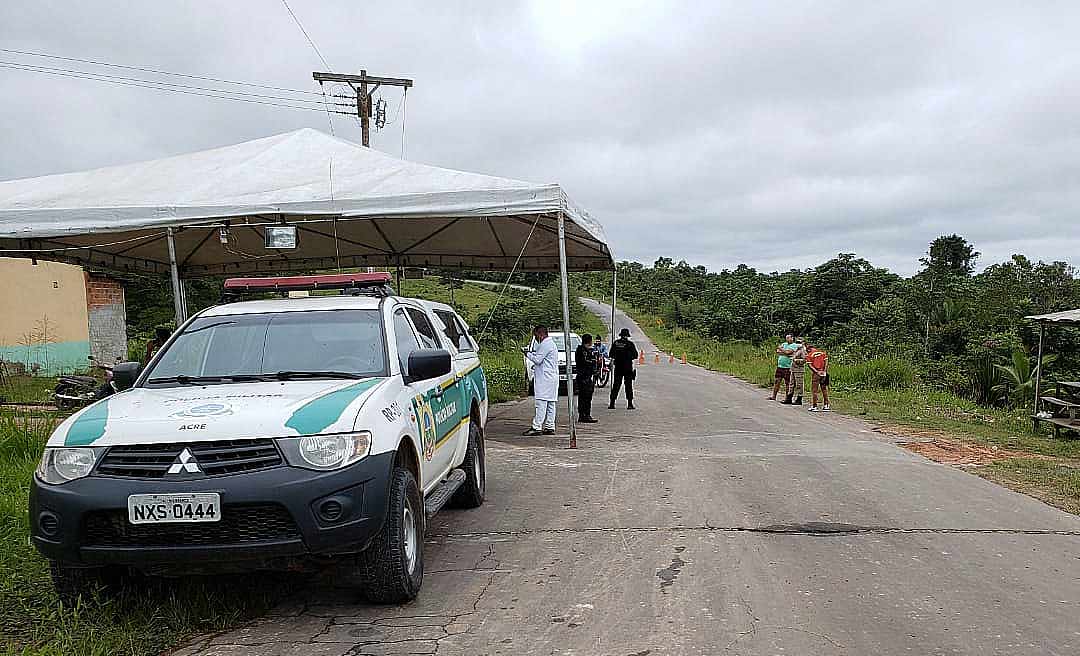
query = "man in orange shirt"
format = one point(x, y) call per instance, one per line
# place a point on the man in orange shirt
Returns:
point(818, 361)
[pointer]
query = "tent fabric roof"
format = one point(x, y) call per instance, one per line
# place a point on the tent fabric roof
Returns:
point(383, 210)
point(1068, 317)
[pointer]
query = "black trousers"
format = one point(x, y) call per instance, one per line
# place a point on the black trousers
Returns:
point(585, 389)
point(621, 376)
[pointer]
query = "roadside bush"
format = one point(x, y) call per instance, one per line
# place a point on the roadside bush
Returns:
point(946, 374)
point(875, 374)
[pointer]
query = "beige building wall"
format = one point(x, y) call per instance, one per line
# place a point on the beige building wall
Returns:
point(43, 314)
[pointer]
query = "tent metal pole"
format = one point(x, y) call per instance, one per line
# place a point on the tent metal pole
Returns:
point(614, 294)
point(1038, 365)
point(179, 307)
point(564, 276)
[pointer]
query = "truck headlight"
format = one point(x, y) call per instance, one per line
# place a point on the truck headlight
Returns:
point(324, 452)
point(63, 464)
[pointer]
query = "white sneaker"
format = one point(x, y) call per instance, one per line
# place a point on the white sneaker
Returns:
point(826, 408)
point(813, 408)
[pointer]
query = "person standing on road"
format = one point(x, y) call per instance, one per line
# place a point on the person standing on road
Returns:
point(783, 368)
point(623, 354)
point(544, 356)
point(798, 376)
point(584, 369)
point(818, 361)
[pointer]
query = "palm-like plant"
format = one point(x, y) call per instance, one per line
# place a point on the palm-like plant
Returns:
point(987, 387)
point(1020, 374)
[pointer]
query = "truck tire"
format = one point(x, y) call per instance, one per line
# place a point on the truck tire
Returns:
point(73, 582)
point(392, 567)
point(471, 492)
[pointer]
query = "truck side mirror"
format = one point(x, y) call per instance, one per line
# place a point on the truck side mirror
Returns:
point(124, 374)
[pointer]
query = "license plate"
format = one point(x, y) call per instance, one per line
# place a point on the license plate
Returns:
point(174, 508)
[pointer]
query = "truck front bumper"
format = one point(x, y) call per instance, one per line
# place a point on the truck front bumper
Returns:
point(269, 516)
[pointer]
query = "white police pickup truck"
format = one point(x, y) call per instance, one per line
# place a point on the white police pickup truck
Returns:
point(272, 434)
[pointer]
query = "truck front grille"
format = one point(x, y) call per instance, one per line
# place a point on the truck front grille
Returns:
point(213, 458)
point(239, 524)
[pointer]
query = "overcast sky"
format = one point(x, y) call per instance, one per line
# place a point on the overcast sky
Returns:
point(772, 133)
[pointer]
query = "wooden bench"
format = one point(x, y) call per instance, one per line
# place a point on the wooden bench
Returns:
point(1063, 414)
point(1058, 423)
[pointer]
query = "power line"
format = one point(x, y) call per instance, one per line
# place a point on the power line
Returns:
point(329, 120)
point(106, 77)
point(156, 71)
point(306, 36)
point(147, 84)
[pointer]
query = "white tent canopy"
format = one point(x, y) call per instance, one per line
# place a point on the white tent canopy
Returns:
point(206, 213)
point(383, 210)
point(1068, 317)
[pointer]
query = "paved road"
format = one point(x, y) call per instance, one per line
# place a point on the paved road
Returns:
point(712, 521)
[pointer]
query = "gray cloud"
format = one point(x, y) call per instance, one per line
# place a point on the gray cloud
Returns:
point(775, 134)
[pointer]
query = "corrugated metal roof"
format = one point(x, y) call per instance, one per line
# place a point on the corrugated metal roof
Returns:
point(1066, 317)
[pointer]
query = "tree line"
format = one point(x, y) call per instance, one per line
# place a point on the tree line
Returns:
point(964, 331)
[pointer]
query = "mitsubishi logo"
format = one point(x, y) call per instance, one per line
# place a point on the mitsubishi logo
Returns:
point(185, 462)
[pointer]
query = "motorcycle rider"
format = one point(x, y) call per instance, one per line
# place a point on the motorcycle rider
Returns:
point(623, 354)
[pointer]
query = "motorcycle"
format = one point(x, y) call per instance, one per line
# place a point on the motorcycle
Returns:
point(603, 373)
point(76, 391)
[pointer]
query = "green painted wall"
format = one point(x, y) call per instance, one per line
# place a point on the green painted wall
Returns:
point(53, 359)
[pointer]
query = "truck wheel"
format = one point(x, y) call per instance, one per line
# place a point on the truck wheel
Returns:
point(73, 582)
point(392, 567)
point(471, 492)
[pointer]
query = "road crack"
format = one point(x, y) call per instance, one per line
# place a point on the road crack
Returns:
point(813, 529)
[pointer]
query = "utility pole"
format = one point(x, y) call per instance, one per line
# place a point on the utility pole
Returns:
point(364, 86)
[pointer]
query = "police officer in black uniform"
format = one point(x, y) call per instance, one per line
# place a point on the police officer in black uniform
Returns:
point(623, 353)
point(584, 383)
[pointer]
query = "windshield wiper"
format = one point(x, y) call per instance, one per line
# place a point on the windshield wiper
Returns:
point(195, 380)
point(286, 375)
point(186, 380)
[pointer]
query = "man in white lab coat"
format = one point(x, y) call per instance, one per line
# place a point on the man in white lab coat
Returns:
point(544, 355)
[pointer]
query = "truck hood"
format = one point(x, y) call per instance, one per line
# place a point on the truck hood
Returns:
point(203, 413)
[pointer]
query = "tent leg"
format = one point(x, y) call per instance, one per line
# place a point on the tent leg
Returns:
point(1038, 364)
point(179, 307)
point(564, 276)
point(614, 293)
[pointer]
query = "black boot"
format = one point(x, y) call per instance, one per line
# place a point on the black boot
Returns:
point(786, 401)
point(798, 400)
point(630, 405)
point(611, 405)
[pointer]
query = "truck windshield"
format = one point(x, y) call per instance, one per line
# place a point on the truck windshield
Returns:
point(243, 347)
point(560, 342)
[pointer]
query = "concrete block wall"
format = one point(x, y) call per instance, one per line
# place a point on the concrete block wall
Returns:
point(107, 318)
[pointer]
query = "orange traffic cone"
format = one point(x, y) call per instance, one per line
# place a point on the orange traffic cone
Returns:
point(657, 357)
point(684, 357)
point(641, 358)
point(671, 358)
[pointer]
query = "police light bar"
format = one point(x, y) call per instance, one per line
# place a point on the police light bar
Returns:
point(378, 282)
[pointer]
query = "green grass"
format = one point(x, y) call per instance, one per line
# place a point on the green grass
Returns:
point(26, 389)
point(1055, 483)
